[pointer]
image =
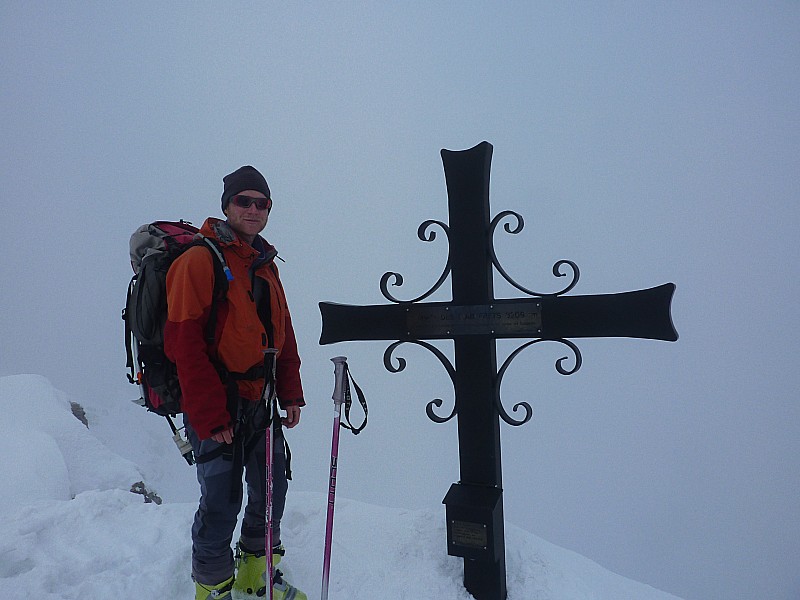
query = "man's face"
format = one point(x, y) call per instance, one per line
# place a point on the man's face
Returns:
point(247, 222)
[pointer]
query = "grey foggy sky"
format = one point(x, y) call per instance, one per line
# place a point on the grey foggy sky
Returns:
point(647, 142)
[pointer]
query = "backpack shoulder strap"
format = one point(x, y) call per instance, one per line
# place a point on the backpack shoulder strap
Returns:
point(215, 250)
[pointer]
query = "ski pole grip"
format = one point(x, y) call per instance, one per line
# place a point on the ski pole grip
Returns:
point(339, 363)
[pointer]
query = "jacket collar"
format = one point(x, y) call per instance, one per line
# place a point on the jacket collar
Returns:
point(221, 231)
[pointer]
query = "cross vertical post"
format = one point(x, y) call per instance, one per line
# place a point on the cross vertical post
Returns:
point(467, 179)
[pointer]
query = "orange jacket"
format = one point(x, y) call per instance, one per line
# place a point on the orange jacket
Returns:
point(240, 336)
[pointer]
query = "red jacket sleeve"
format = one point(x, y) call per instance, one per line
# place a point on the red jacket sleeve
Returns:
point(190, 284)
point(287, 370)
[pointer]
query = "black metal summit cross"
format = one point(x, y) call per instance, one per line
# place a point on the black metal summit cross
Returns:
point(474, 320)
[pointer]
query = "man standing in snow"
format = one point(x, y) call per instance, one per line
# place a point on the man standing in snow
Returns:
point(222, 380)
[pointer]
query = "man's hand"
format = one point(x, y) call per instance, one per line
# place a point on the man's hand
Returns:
point(292, 417)
point(223, 437)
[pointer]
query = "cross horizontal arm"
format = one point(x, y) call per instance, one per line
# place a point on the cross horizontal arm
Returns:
point(641, 314)
point(345, 322)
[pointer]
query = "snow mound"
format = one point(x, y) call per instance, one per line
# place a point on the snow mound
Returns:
point(50, 454)
point(71, 529)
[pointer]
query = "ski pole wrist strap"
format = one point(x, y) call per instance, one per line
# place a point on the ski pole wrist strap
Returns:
point(348, 401)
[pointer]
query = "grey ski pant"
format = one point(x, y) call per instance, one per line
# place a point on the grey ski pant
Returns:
point(217, 514)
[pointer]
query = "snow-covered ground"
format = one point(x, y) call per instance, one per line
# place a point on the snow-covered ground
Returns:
point(70, 528)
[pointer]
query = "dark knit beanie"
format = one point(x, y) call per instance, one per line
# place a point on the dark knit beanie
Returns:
point(243, 178)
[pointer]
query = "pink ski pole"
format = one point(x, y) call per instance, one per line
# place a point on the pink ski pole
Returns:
point(269, 398)
point(340, 362)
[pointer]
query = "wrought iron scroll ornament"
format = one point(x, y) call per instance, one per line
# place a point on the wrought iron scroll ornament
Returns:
point(401, 364)
point(578, 360)
point(556, 267)
point(520, 223)
point(425, 234)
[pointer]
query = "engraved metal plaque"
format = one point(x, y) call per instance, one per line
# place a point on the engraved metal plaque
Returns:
point(472, 535)
point(520, 318)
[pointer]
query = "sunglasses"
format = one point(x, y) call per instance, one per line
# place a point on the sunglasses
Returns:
point(247, 201)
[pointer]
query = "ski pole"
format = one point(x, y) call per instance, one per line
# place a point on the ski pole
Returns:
point(340, 363)
point(269, 399)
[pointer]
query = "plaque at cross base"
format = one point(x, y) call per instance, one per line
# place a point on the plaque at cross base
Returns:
point(473, 514)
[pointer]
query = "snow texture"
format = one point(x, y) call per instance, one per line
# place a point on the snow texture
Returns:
point(70, 528)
